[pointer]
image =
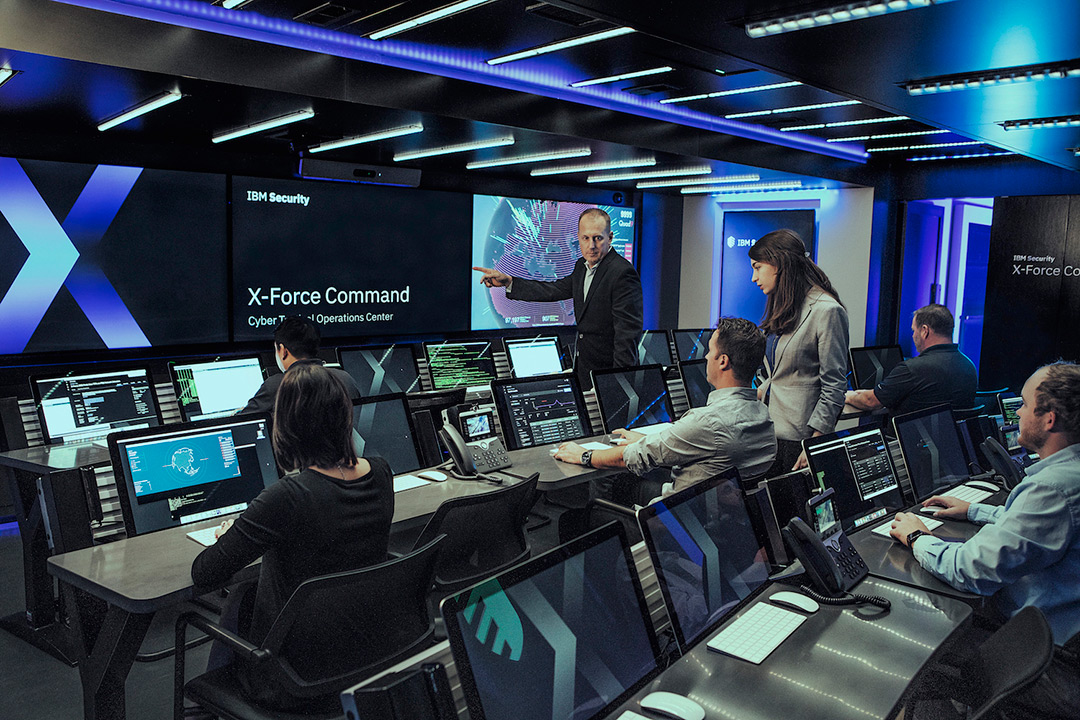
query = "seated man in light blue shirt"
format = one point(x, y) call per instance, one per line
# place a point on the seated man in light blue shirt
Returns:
point(732, 430)
point(1028, 552)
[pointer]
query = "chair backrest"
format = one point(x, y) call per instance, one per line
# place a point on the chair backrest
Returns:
point(599, 512)
point(335, 630)
point(1002, 463)
point(1010, 660)
point(484, 534)
point(965, 413)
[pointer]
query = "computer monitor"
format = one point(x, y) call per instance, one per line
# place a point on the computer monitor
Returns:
point(857, 465)
point(215, 388)
point(534, 356)
point(566, 635)
point(1009, 407)
point(185, 473)
point(460, 363)
point(870, 365)
point(696, 382)
point(932, 451)
point(540, 410)
point(654, 348)
point(381, 369)
point(708, 554)
point(80, 406)
point(691, 344)
point(386, 430)
point(632, 397)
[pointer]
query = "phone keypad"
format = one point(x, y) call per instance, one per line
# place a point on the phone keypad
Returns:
point(849, 561)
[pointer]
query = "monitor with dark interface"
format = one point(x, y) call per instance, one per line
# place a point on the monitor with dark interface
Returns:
point(185, 473)
point(708, 555)
point(385, 430)
point(654, 348)
point(691, 344)
point(215, 388)
point(932, 451)
point(870, 365)
point(463, 363)
point(1009, 407)
point(696, 382)
point(632, 398)
point(534, 356)
point(381, 369)
point(540, 410)
point(566, 635)
point(80, 406)
point(856, 464)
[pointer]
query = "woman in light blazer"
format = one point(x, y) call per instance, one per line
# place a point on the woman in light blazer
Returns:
point(805, 372)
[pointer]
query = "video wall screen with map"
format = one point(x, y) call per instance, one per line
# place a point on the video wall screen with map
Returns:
point(535, 239)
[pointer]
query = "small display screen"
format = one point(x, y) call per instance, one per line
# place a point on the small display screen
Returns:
point(696, 381)
point(871, 365)
point(826, 522)
point(1009, 408)
point(478, 426)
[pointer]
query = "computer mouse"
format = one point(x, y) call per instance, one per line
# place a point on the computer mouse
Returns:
point(930, 509)
point(433, 475)
point(794, 601)
point(982, 485)
point(672, 705)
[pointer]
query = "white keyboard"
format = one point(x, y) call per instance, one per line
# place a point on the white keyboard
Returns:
point(884, 528)
point(757, 632)
point(205, 536)
point(968, 493)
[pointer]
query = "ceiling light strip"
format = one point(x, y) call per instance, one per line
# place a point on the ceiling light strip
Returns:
point(737, 91)
point(424, 19)
point(795, 108)
point(6, 74)
point(449, 149)
point(771, 185)
point(158, 101)
point(845, 123)
point(561, 45)
point(924, 147)
point(265, 125)
point(669, 172)
point(844, 12)
point(987, 78)
point(369, 137)
point(886, 136)
point(591, 167)
point(958, 157)
point(711, 180)
point(623, 76)
point(1038, 123)
point(534, 157)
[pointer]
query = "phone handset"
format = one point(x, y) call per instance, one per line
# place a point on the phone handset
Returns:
point(823, 571)
point(465, 464)
point(460, 454)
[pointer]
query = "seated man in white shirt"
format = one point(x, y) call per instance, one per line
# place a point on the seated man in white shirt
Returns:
point(733, 429)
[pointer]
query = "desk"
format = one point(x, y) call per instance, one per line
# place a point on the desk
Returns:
point(554, 475)
point(842, 663)
point(113, 591)
point(54, 520)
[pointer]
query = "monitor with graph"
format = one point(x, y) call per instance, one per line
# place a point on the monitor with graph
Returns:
point(633, 398)
point(215, 388)
point(540, 410)
point(381, 369)
point(87, 405)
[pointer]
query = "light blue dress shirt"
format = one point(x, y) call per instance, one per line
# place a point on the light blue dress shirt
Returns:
point(1029, 550)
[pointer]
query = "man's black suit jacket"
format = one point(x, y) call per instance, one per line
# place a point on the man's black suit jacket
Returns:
point(609, 321)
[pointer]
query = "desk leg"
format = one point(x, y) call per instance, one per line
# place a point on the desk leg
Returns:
point(107, 640)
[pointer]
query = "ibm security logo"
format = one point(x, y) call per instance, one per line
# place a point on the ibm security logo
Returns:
point(55, 246)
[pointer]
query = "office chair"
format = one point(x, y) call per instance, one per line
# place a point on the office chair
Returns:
point(596, 513)
point(485, 534)
point(1001, 462)
point(334, 631)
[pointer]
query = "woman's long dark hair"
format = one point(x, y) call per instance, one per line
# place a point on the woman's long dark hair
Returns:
point(796, 273)
point(312, 419)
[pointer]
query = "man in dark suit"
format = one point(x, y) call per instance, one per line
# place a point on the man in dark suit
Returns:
point(606, 291)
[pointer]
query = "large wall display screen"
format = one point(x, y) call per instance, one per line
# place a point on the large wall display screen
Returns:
point(535, 239)
point(104, 257)
point(359, 260)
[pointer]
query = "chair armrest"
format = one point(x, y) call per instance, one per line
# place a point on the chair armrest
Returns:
point(613, 507)
point(244, 649)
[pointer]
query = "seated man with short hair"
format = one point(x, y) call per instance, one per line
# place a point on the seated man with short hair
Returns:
point(732, 430)
point(1028, 552)
point(295, 338)
point(940, 374)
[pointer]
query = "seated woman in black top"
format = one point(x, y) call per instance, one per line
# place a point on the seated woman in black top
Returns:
point(333, 515)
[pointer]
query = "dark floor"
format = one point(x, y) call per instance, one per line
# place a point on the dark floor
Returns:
point(35, 686)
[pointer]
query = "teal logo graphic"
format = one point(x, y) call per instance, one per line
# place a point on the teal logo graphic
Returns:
point(496, 610)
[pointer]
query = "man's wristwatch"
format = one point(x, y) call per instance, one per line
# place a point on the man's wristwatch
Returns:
point(913, 536)
point(586, 458)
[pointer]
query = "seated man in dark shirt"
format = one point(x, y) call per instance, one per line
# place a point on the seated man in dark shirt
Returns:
point(940, 374)
point(295, 338)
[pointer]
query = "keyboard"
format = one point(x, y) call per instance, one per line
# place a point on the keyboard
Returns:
point(757, 632)
point(968, 493)
point(204, 537)
point(884, 528)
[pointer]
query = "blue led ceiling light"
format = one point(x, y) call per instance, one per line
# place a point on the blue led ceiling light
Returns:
point(771, 185)
point(158, 101)
point(844, 12)
point(845, 123)
point(590, 167)
point(530, 158)
point(366, 138)
point(793, 108)
point(561, 45)
point(987, 78)
point(548, 82)
point(430, 17)
point(1047, 122)
point(263, 126)
point(885, 136)
point(711, 180)
point(958, 157)
point(623, 76)
point(899, 148)
point(450, 149)
point(645, 175)
point(736, 91)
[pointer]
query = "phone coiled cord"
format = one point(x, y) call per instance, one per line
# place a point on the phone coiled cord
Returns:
point(848, 599)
